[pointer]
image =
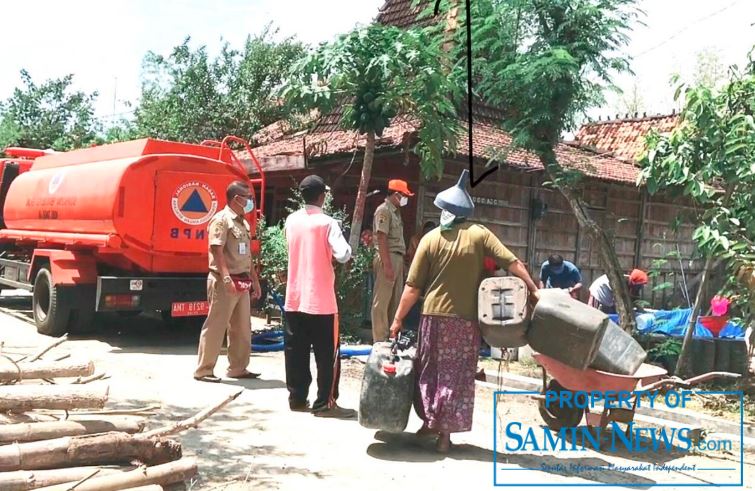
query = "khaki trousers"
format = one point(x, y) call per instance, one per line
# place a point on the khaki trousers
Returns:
point(230, 315)
point(386, 297)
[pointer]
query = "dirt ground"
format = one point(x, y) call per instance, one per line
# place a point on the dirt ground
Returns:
point(256, 443)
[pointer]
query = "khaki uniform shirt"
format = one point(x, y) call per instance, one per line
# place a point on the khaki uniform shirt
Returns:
point(233, 232)
point(388, 221)
point(448, 268)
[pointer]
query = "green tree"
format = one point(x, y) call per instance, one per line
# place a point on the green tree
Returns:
point(48, 115)
point(543, 63)
point(710, 158)
point(191, 96)
point(374, 74)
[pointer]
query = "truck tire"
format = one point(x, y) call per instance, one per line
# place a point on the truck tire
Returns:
point(51, 312)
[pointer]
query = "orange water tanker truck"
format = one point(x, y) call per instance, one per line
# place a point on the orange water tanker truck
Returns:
point(115, 228)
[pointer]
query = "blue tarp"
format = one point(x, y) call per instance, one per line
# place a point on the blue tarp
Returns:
point(674, 323)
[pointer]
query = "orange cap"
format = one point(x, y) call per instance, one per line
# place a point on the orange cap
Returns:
point(638, 277)
point(399, 186)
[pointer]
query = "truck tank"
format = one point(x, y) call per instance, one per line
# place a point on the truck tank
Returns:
point(142, 205)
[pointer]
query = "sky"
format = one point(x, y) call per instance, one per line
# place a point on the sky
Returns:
point(103, 42)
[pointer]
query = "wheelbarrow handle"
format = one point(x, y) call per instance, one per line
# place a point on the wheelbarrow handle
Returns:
point(686, 384)
point(709, 376)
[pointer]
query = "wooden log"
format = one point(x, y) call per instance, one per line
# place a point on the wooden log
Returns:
point(44, 369)
point(148, 487)
point(165, 474)
point(27, 480)
point(20, 398)
point(106, 448)
point(32, 432)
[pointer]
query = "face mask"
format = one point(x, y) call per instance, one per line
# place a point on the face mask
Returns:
point(446, 219)
point(403, 201)
point(249, 206)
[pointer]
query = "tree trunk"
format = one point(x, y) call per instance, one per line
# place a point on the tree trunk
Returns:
point(19, 398)
point(608, 257)
point(364, 182)
point(32, 432)
point(165, 474)
point(107, 448)
point(26, 480)
point(683, 363)
point(44, 369)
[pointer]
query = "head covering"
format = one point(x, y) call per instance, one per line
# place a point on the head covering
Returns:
point(313, 183)
point(456, 200)
point(399, 186)
point(719, 305)
point(638, 277)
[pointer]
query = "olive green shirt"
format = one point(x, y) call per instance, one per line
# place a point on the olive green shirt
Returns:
point(233, 232)
point(448, 268)
point(388, 221)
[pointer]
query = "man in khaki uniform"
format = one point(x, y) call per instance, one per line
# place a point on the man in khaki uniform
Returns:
point(231, 284)
point(388, 230)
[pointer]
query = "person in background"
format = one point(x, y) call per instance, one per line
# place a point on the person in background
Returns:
point(448, 269)
point(314, 239)
point(388, 230)
point(601, 293)
point(231, 285)
point(557, 273)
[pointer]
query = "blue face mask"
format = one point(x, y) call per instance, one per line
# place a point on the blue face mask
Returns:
point(249, 206)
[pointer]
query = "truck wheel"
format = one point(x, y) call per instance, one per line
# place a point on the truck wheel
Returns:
point(50, 313)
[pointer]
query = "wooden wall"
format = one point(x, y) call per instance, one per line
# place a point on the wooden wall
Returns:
point(639, 226)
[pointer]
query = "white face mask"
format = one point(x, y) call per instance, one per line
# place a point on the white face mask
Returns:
point(446, 218)
point(403, 201)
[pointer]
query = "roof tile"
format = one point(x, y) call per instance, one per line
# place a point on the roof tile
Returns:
point(623, 138)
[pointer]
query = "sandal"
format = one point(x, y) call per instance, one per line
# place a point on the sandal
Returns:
point(245, 375)
point(208, 378)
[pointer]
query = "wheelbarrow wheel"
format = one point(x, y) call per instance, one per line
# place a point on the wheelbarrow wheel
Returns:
point(557, 417)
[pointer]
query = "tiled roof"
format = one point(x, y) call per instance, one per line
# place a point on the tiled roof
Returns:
point(489, 143)
point(402, 13)
point(623, 138)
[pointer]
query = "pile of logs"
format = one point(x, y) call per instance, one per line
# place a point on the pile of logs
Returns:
point(55, 435)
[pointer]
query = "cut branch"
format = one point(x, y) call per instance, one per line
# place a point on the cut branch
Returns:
point(163, 475)
point(107, 448)
point(192, 422)
point(27, 480)
point(62, 339)
point(20, 398)
point(31, 432)
point(44, 369)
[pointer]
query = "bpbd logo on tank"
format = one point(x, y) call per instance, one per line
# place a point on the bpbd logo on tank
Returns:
point(194, 203)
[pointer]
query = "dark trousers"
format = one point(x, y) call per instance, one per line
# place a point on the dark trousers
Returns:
point(305, 331)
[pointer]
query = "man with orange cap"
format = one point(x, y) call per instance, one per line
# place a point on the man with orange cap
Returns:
point(388, 230)
point(601, 293)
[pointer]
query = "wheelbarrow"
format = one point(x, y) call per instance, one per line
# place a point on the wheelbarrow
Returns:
point(565, 378)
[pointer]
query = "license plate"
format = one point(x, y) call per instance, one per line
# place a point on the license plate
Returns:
point(188, 309)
